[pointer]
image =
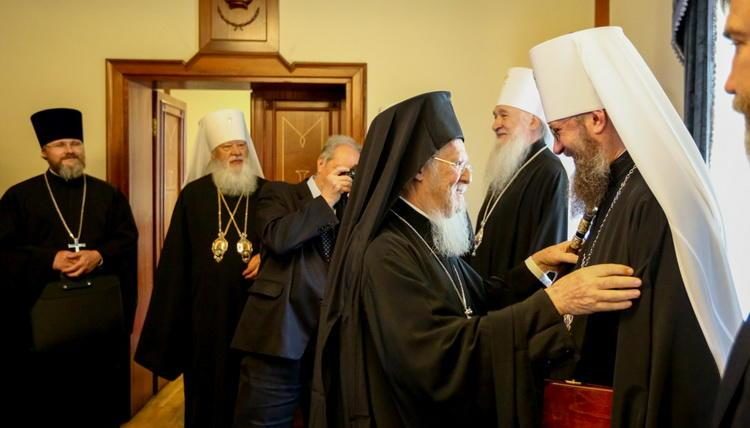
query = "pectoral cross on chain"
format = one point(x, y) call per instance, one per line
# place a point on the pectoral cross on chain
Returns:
point(77, 245)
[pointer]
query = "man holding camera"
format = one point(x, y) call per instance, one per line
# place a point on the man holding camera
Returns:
point(297, 227)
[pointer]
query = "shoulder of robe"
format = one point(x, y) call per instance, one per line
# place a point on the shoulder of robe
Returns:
point(26, 185)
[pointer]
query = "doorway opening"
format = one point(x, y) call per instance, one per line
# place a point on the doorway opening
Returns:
point(293, 108)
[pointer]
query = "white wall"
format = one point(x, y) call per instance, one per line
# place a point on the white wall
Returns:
point(648, 24)
point(54, 55)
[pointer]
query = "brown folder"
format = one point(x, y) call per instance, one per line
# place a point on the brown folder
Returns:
point(571, 404)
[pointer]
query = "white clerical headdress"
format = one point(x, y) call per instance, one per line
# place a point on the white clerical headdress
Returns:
point(601, 69)
point(519, 91)
point(214, 130)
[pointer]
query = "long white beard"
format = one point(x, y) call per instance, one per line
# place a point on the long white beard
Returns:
point(230, 181)
point(69, 172)
point(451, 234)
point(505, 159)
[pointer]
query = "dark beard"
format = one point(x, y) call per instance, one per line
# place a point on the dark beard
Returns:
point(742, 104)
point(591, 177)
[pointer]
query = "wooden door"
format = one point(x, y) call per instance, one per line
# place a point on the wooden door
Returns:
point(290, 125)
point(169, 171)
point(157, 127)
point(140, 134)
point(169, 144)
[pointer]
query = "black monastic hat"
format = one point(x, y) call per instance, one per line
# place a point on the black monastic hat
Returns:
point(399, 142)
point(57, 123)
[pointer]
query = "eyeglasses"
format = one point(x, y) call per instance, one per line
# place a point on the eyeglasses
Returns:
point(460, 166)
point(62, 144)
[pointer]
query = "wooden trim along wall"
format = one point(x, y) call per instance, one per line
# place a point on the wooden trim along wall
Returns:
point(601, 13)
point(228, 68)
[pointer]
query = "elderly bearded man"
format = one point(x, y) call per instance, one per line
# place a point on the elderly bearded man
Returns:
point(410, 336)
point(208, 262)
point(526, 206)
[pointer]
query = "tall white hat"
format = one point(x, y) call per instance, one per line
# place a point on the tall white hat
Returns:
point(520, 91)
point(215, 129)
point(601, 69)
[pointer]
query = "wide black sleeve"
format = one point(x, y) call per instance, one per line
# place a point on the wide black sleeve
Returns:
point(120, 252)
point(31, 264)
point(462, 366)
point(668, 376)
point(284, 227)
point(511, 287)
point(550, 212)
point(165, 340)
point(13, 258)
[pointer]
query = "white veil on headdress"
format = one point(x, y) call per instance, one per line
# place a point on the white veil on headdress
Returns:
point(217, 128)
point(520, 91)
point(601, 69)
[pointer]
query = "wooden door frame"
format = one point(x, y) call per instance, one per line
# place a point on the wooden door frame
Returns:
point(227, 68)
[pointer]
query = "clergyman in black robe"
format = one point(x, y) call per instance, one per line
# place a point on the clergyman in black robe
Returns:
point(410, 335)
point(636, 162)
point(526, 205)
point(733, 400)
point(200, 290)
point(86, 384)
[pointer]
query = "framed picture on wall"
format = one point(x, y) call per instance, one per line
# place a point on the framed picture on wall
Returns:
point(239, 26)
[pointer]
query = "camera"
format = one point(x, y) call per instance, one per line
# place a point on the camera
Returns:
point(351, 173)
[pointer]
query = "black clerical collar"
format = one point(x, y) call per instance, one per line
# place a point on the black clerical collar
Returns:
point(620, 168)
point(56, 178)
point(539, 145)
point(417, 220)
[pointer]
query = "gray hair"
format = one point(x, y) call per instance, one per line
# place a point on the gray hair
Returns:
point(335, 141)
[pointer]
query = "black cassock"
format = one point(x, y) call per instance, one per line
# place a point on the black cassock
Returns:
point(196, 304)
point(427, 365)
point(532, 214)
point(733, 400)
point(89, 385)
point(653, 354)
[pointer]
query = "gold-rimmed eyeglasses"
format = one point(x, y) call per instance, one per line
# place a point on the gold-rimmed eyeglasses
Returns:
point(460, 166)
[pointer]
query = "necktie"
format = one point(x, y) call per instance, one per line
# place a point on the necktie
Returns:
point(328, 233)
point(327, 240)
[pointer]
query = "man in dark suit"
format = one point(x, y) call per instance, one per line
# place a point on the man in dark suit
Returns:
point(733, 402)
point(297, 225)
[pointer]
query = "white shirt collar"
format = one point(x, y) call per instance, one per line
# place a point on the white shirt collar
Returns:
point(313, 187)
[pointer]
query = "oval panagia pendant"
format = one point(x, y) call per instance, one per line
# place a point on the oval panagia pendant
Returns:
point(219, 247)
point(245, 248)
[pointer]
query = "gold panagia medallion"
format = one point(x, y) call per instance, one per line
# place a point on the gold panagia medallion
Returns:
point(219, 247)
point(245, 248)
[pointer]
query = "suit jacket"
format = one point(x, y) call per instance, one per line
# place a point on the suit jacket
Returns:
point(282, 309)
point(733, 402)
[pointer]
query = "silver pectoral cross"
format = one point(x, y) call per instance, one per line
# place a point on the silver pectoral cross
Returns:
point(477, 241)
point(77, 245)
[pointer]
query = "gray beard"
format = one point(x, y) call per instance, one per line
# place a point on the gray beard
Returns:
point(232, 182)
point(505, 159)
point(69, 172)
point(590, 180)
point(450, 235)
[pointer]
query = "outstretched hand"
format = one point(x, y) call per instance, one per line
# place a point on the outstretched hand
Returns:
point(554, 257)
point(598, 288)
